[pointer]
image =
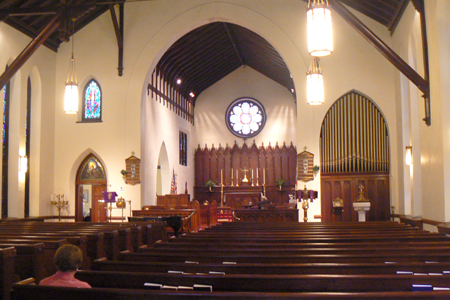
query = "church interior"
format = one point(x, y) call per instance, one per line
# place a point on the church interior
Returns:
point(224, 120)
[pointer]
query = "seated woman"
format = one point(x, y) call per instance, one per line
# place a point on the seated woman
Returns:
point(67, 259)
point(264, 203)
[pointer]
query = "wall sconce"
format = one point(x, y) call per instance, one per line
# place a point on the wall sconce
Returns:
point(408, 157)
point(23, 164)
point(320, 36)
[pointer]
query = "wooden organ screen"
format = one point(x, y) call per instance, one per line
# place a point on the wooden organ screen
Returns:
point(278, 162)
point(354, 151)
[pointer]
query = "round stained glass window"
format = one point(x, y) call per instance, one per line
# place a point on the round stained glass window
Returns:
point(245, 117)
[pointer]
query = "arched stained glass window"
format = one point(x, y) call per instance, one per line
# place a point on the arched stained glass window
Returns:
point(92, 102)
point(245, 117)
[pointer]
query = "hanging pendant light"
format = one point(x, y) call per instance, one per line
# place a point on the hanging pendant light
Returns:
point(314, 83)
point(71, 92)
point(320, 37)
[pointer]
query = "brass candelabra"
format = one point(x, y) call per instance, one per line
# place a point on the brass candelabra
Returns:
point(60, 203)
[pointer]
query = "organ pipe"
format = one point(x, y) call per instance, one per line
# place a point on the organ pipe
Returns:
point(354, 137)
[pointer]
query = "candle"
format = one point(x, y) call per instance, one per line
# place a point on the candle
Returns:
point(264, 176)
point(252, 174)
point(237, 176)
point(221, 177)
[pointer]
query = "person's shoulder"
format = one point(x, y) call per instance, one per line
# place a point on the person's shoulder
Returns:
point(83, 284)
point(46, 281)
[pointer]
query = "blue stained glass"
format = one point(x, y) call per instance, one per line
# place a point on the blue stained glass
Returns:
point(92, 101)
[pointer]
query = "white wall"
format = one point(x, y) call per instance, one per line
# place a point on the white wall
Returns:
point(210, 108)
point(41, 69)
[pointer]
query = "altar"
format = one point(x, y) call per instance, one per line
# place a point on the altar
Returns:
point(266, 215)
point(236, 176)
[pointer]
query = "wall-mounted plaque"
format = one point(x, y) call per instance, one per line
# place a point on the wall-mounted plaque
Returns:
point(133, 169)
point(305, 165)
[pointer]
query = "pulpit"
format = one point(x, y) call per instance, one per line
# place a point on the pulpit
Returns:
point(361, 205)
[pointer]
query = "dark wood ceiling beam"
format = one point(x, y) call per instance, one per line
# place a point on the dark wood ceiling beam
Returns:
point(234, 44)
point(30, 49)
point(385, 50)
point(118, 28)
point(420, 7)
point(397, 16)
point(28, 11)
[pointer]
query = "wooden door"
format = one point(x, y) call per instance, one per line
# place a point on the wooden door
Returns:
point(98, 204)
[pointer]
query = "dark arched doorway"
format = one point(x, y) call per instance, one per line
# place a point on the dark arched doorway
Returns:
point(90, 185)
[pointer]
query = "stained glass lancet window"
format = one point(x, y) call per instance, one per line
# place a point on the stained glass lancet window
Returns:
point(245, 117)
point(5, 143)
point(183, 148)
point(92, 102)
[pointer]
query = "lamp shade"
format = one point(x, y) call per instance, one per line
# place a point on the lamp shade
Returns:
point(71, 99)
point(314, 83)
point(320, 35)
point(23, 164)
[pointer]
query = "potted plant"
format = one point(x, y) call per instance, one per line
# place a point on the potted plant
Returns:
point(209, 184)
point(316, 169)
point(124, 173)
point(280, 182)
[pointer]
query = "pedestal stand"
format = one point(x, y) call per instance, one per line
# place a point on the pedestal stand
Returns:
point(361, 208)
point(361, 205)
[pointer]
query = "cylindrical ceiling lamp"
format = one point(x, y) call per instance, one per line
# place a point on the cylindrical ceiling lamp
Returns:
point(71, 91)
point(314, 83)
point(320, 36)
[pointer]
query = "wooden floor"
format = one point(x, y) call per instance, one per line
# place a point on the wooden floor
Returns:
point(252, 260)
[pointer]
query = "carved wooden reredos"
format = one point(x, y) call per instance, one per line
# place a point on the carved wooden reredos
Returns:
point(274, 161)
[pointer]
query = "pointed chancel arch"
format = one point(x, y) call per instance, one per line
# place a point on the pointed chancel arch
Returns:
point(90, 184)
point(354, 157)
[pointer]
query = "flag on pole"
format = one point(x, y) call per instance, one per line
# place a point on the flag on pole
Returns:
point(173, 185)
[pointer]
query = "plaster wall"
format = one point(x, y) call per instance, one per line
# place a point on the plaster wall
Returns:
point(41, 70)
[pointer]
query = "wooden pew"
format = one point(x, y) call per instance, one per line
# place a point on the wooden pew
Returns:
point(36, 292)
point(269, 268)
point(29, 261)
point(316, 239)
point(265, 283)
point(308, 258)
point(7, 270)
point(40, 261)
point(252, 245)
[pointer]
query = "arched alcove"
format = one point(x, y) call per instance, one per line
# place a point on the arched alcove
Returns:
point(355, 158)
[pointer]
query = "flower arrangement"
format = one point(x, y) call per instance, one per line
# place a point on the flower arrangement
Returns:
point(316, 169)
point(210, 183)
point(280, 181)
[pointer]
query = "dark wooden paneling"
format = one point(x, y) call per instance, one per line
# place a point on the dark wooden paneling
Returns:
point(278, 162)
point(346, 187)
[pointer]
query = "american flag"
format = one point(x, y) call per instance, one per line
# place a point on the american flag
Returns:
point(173, 185)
